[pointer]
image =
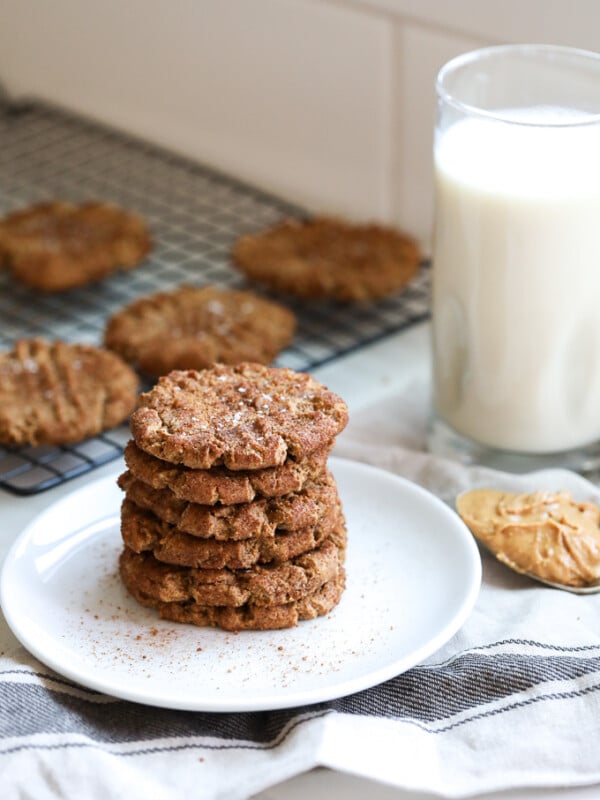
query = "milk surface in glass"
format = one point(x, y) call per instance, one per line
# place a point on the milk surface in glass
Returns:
point(517, 280)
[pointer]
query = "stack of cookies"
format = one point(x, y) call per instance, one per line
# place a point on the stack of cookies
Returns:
point(231, 517)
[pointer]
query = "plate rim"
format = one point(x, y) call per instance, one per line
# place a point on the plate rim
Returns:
point(273, 701)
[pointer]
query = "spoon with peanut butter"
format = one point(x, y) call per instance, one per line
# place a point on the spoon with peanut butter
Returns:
point(544, 535)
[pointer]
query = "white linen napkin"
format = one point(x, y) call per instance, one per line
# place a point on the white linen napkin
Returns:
point(513, 700)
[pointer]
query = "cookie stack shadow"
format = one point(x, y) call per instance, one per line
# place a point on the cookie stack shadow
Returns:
point(231, 517)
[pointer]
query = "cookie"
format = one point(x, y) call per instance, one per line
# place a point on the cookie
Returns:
point(221, 486)
point(328, 258)
point(246, 416)
point(192, 328)
point(261, 517)
point(262, 585)
point(60, 393)
point(57, 246)
point(142, 532)
point(250, 617)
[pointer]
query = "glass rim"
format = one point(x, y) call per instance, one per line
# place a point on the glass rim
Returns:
point(472, 56)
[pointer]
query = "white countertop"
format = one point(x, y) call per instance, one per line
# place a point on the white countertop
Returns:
point(362, 378)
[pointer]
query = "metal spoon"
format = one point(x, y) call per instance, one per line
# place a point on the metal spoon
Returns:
point(592, 588)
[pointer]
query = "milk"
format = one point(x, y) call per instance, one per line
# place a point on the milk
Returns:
point(516, 288)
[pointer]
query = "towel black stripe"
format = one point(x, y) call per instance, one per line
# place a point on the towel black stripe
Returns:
point(426, 696)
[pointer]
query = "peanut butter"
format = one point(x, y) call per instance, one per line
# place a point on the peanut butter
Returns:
point(545, 534)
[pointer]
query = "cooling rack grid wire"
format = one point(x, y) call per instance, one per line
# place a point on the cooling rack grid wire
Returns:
point(195, 214)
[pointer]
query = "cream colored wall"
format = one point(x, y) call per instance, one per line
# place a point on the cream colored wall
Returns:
point(328, 103)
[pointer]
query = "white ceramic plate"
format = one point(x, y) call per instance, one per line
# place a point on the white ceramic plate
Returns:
point(413, 575)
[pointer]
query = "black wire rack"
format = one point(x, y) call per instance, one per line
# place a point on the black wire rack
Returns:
point(195, 214)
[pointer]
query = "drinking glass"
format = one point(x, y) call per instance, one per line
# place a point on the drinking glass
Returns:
point(516, 259)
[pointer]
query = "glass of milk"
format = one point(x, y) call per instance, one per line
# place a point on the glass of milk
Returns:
point(516, 259)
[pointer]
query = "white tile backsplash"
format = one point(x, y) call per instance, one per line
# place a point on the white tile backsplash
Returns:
point(574, 23)
point(328, 103)
point(419, 54)
point(290, 94)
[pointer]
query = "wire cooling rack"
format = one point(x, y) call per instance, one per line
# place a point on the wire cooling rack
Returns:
point(195, 214)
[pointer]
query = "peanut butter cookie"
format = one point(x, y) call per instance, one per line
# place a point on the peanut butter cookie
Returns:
point(328, 258)
point(222, 486)
point(57, 246)
point(192, 328)
point(60, 393)
point(261, 585)
point(251, 617)
point(262, 517)
point(142, 532)
point(242, 417)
